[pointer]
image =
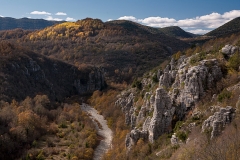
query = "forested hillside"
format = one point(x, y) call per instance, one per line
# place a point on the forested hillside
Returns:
point(25, 73)
point(228, 28)
point(124, 49)
point(161, 97)
point(177, 32)
point(8, 23)
point(34, 121)
point(180, 103)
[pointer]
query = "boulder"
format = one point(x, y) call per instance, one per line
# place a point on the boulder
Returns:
point(174, 139)
point(219, 120)
point(228, 49)
point(134, 136)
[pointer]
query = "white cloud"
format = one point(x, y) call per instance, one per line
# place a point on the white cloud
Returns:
point(40, 13)
point(212, 20)
point(156, 20)
point(231, 14)
point(70, 19)
point(198, 25)
point(110, 20)
point(1, 16)
point(199, 31)
point(129, 18)
point(61, 14)
point(50, 18)
point(211, 16)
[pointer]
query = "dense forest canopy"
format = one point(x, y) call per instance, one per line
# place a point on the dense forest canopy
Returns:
point(124, 49)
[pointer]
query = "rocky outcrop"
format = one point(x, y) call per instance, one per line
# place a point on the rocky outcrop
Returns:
point(238, 104)
point(229, 49)
point(191, 83)
point(218, 121)
point(162, 115)
point(126, 102)
point(29, 74)
point(174, 139)
point(134, 136)
point(95, 81)
point(181, 85)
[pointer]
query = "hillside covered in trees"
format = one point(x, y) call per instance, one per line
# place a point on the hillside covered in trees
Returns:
point(25, 73)
point(8, 23)
point(35, 123)
point(178, 109)
point(228, 28)
point(123, 49)
point(161, 97)
point(177, 32)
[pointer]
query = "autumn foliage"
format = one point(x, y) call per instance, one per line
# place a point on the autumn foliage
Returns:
point(26, 125)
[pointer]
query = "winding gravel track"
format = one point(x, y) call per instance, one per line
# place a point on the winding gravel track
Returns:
point(102, 130)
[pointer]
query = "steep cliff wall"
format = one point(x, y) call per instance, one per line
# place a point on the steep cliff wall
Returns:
point(181, 84)
point(28, 74)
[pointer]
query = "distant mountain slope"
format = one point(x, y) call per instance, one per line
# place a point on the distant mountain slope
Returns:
point(13, 34)
point(25, 73)
point(228, 28)
point(177, 32)
point(123, 48)
point(7, 23)
point(133, 25)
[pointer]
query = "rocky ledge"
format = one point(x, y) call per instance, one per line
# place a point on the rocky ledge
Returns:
point(217, 122)
point(181, 85)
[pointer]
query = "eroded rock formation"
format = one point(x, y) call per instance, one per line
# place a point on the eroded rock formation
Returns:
point(181, 85)
point(29, 74)
point(229, 49)
point(218, 121)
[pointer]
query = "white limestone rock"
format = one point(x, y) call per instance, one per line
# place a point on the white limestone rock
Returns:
point(162, 115)
point(229, 49)
point(174, 139)
point(219, 120)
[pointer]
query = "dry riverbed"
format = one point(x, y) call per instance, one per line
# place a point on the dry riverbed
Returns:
point(102, 129)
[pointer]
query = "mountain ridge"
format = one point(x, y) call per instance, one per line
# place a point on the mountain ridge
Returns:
point(228, 28)
point(177, 32)
point(9, 23)
point(157, 103)
point(25, 73)
point(93, 42)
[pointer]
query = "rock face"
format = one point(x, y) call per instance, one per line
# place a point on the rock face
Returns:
point(181, 85)
point(94, 81)
point(126, 103)
point(134, 136)
point(238, 104)
point(174, 139)
point(162, 115)
point(29, 74)
point(191, 83)
point(229, 49)
point(219, 120)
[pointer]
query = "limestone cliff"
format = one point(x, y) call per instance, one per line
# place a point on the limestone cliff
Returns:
point(219, 120)
point(181, 85)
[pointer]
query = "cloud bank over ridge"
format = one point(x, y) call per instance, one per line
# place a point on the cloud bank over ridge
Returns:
point(50, 17)
point(61, 14)
point(40, 13)
point(197, 25)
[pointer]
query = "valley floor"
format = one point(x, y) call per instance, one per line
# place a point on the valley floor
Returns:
point(102, 129)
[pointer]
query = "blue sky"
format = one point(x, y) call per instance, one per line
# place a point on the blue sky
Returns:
point(195, 16)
